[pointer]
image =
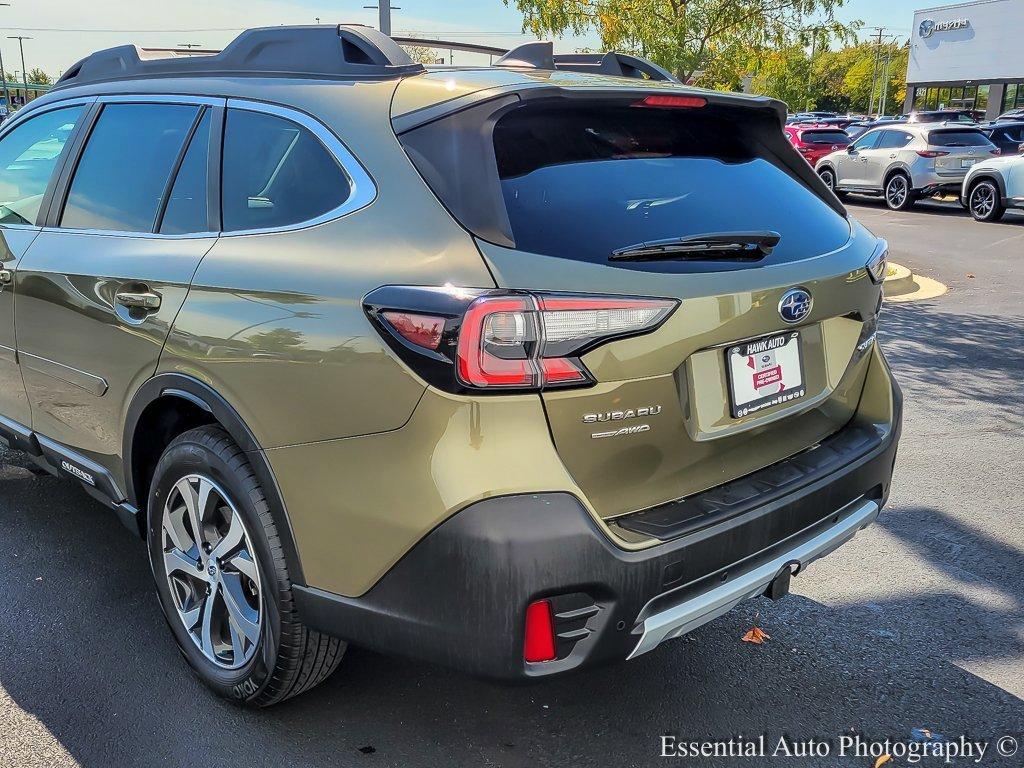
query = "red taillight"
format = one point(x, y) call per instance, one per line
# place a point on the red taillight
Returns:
point(539, 642)
point(665, 101)
point(534, 341)
point(422, 330)
point(931, 153)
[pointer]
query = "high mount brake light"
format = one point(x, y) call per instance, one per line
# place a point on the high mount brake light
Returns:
point(665, 101)
point(504, 340)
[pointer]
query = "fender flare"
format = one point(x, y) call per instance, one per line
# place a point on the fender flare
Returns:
point(990, 175)
point(895, 168)
point(205, 397)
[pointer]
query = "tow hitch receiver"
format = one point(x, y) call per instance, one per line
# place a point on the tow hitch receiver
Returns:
point(779, 586)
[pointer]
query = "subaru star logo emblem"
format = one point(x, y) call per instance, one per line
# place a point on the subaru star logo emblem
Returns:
point(795, 305)
point(927, 28)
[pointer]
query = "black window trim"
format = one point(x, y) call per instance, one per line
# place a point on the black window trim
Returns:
point(63, 184)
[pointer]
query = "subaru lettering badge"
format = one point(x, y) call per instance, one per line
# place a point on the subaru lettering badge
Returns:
point(795, 305)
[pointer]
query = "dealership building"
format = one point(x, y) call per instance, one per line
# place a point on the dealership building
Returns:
point(967, 56)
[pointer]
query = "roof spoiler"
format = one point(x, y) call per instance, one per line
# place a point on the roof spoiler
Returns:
point(540, 54)
point(300, 51)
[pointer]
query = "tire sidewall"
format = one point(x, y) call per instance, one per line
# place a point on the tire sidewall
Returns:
point(187, 458)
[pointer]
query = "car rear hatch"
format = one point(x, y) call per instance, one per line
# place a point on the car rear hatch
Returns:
point(957, 149)
point(555, 182)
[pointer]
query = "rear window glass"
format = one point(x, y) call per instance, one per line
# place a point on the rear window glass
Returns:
point(582, 182)
point(825, 137)
point(958, 139)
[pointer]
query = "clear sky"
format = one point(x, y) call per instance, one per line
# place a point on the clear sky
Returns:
point(64, 31)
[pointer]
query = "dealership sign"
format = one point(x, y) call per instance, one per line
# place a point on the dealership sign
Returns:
point(929, 27)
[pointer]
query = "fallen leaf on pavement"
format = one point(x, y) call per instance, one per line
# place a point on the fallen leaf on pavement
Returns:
point(756, 635)
point(970, 275)
point(882, 760)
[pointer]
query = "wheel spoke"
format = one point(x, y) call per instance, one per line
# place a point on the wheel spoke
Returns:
point(237, 643)
point(174, 527)
point(192, 616)
point(231, 540)
point(243, 563)
point(245, 618)
point(206, 633)
point(177, 561)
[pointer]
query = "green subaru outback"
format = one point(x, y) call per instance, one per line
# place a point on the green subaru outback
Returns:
point(516, 369)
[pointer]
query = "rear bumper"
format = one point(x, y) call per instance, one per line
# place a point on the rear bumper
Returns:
point(458, 598)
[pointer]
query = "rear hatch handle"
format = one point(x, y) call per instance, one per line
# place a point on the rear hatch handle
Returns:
point(741, 246)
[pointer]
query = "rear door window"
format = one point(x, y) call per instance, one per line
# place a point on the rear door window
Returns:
point(276, 173)
point(28, 158)
point(187, 206)
point(580, 182)
point(894, 140)
point(958, 138)
point(125, 166)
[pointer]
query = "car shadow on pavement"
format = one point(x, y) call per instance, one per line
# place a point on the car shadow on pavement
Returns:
point(969, 356)
point(84, 651)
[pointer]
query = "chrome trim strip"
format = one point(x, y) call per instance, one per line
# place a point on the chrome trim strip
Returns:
point(702, 608)
point(92, 384)
point(363, 190)
point(29, 111)
point(161, 98)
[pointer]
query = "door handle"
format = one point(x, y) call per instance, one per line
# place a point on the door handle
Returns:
point(147, 300)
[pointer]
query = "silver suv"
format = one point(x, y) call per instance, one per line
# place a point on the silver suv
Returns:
point(907, 162)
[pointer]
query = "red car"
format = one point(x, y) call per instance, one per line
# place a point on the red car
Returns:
point(816, 141)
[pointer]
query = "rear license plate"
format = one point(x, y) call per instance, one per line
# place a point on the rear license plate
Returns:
point(765, 372)
point(967, 163)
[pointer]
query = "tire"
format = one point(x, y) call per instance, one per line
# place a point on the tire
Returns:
point(898, 194)
point(984, 201)
point(244, 639)
point(828, 176)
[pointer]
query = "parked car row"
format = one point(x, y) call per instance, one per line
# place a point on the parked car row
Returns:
point(905, 162)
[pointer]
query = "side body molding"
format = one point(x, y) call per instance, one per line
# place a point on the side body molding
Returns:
point(203, 396)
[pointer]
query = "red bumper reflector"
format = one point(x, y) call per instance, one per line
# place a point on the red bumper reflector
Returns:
point(540, 632)
point(672, 102)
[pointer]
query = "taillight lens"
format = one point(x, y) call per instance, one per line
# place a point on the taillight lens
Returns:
point(931, 153)
point(534, 341)
point(506, 340)
point(878, 264)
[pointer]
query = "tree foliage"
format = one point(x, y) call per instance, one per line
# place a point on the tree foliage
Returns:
point(39, 77)
point(838, 80)
point(710, 42)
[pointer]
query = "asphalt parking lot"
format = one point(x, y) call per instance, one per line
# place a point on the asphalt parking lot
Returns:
point(916, 623)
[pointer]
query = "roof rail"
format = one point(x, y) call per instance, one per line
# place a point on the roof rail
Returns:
point(540, 54)
point(346, 50)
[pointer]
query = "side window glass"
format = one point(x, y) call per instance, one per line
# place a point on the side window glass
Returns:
point(276, 173)
point(186, 207)
point(28, 158)
point(125, 166)
point(867, 142)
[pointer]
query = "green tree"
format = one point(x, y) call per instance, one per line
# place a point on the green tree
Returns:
point(710, 42)
point(39, 77)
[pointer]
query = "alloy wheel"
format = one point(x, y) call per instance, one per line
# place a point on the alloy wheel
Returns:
point(983, 200)
point(829, 179)
point(211, 571)
point(896, 191)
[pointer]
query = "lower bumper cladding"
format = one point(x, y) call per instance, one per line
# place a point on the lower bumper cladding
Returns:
point(706, 606)
point(460, 597)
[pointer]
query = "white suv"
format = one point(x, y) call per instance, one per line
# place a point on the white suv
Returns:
point(993, 186)
point(906, 162)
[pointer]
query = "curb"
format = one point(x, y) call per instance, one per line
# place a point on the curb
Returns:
point(904, 285)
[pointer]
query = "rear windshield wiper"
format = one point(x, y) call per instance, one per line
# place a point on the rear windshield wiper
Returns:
point(739, 246)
